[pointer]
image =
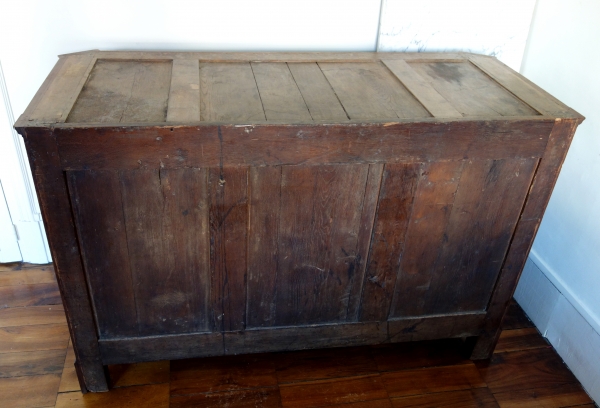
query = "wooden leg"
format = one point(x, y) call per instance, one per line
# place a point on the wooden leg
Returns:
point(484, 345)
point(96, 385)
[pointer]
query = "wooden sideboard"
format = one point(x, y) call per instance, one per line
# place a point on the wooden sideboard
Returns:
point(202, 204)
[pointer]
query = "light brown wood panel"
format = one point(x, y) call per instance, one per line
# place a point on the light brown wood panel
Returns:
point(165, 215)
point(43, 274)
point(432, 206)
point(98, 210)
point(30, 315)
point(33, 338)
point(229, 93)
point(318, 250)
point(470, 91)
point(31, 391)
point(370, 91)
point(280, 96)
point(31, 363)
point(488, 203)
point(321, 100)
point(267, 397)
point(29, 295)
point(124, 91)
point(184, 93)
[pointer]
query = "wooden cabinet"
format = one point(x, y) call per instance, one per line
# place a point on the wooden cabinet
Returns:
point(202, 204)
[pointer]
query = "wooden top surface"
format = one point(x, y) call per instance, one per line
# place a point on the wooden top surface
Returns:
point(126, 88)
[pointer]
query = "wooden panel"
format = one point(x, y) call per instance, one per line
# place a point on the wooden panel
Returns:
point(393, 214)
point(54, 104)
point(435, 327)
point(229, 93)
point(31, 391)
point(318, 249)
point(228, 246)
point(98, 211)
point(470, 398)
point(435, 103)
point(33, 338)
point(156, 396)
point(115, 147)
point(29, 295)
point(370, 91)
point(280, 96)
point(42, 274)
point(267, 397)
point(184, 93)
point(469, 90)
point(568, 395)
point(26, 316)
point(31, 363)
point(322, 102)
point(485, 211)
point(527, 91)
point(166, 220)
point(434, 198)
point(124, 91)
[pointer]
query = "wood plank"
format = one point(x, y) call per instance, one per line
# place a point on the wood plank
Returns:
point(267, 397)
point(229, 93)
point(171, 286)
point(520, 339)
point(98, 211)
point(552, 397)
point(155, 395)
point(124, 91)
point(524, 89)
point(432, 207)
point(228, 214)
point(470, 91)
point(219, 374)
point(265, 205)
point(59, 97)
point(435, 327)
point(474, 398)
point(32, 363)
point(521, 370)
point(430, 380)
point(34, 338)
point(31, 315)
point(435, 103)
point(370, 91)
point(332, 391)
point(125, 375)
point(393, 213)
point(535, 205)
point(68, 379)
point(17, 392)
point(479, 231)
point(54, 202)
point(184, 92)
point(128, 350)
point(115, 147)
point(29, 295)
point(321, 100)
point(318, 251)
point(43, 274)
point(280, 96)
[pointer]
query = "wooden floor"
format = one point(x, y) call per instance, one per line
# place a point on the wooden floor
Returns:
point(36, 368)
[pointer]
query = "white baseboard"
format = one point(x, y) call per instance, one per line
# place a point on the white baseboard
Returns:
point(573, 336)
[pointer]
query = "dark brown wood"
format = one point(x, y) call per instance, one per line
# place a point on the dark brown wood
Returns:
point(205, 204)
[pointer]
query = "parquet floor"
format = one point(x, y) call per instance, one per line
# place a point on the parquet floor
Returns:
point(36, 368)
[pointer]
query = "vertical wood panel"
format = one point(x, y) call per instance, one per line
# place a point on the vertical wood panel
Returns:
point(280, 96)
point(487, 205)
point(228, 253)
point(265, 206)
point(431, 210)
point(184, 94)
point(393, 213)
point(166, 232)
point(229, 93)
point(98, 210)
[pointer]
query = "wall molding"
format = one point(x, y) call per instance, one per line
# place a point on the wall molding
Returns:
point(565, 290)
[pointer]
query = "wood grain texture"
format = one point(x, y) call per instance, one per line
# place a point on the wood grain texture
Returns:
point(25, 316)
point(520, 339)
point(228, 246)
point(29, 295)
point(435, 103)
point(54, 202)
point(260, 145)
point(248, 398)
point(370, 91)
point(473, 398)
point(184, 92)
point(320, 99)
point(470, 91)
point(387, 244)
point(156, 395)
point(33, 338)
point(435, 327)
point(124, 91)
point(17, 392)
point(43, 274)
point(229, 93)
point(568, 395)
point(280, 96)
point(31, 363)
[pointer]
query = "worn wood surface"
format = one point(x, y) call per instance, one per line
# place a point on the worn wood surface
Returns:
point(212, 204)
